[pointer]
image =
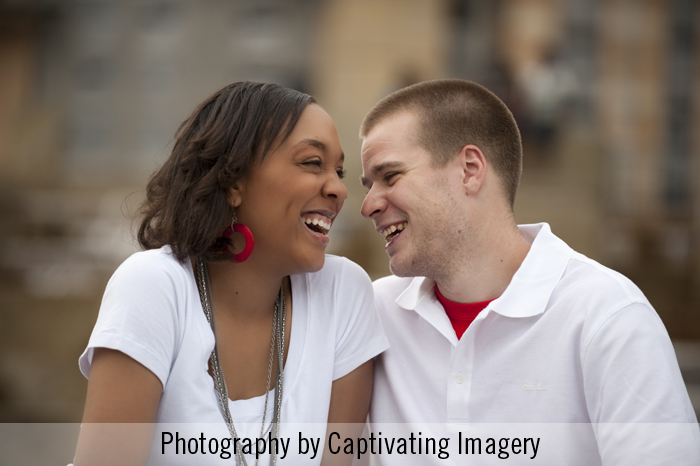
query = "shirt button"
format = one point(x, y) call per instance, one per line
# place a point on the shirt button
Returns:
point(459, 378)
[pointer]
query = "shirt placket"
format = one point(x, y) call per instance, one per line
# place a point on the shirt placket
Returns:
point(461, 376)
point(459, 380)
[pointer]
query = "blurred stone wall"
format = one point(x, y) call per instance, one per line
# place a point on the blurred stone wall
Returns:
point(605, 92)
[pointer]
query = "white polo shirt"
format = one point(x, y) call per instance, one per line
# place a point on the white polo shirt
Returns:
point(571, 346)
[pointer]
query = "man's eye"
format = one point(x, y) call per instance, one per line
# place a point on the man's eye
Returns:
point(341, 173)
point(390, 175)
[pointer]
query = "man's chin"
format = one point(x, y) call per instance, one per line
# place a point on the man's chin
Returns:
point(400, 269)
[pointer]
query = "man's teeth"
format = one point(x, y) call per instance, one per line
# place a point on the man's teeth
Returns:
point(393, 228)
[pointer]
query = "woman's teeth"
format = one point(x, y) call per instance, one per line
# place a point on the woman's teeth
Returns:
point(391, 231)
point(318, 225)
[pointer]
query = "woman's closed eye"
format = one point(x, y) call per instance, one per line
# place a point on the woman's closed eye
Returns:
point(319, 163)
point(313, 162)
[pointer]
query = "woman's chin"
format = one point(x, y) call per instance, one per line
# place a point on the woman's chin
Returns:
point(312, 263)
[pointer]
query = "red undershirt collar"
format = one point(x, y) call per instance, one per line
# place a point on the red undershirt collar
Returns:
point(461, 314)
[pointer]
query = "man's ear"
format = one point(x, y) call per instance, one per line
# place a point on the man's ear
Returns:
point(473, 166)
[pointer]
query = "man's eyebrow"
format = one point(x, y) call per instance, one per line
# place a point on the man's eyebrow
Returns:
point(378, 169)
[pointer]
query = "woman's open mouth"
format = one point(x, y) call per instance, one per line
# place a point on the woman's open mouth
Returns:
point(317, 223)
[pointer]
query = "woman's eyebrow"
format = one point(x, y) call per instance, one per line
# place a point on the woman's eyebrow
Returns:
point(319, 145)
point(313, 142)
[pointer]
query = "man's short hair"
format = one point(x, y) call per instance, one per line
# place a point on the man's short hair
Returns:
point(453, 113)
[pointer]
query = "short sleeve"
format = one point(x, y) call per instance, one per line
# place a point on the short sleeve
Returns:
point(359, 332)
point(139, 313)
point(636, 398)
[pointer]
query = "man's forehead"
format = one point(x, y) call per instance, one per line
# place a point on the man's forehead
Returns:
point(395, 132)
point(377, 156)
point(374, 148)
point(402, 122)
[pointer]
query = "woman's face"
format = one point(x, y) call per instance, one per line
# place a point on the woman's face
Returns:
point(289, 201)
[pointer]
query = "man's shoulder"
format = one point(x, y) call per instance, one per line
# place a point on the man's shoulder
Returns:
point(574, 277)
point(387, 289)
point(589, 276)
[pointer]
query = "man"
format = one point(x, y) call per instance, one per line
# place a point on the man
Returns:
point(504, 323)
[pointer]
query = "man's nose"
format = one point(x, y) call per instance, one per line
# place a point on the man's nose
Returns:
point(373, 204)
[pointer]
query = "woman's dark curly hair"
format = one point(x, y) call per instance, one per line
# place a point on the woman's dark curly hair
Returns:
point(187, 198)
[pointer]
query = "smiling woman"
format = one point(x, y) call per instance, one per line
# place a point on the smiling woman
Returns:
point(233, 316)
point(298, 188)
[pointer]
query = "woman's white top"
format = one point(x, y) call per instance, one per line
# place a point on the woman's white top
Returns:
point(151, 311)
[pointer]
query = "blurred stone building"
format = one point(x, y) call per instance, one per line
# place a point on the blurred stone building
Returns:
point(605, 92)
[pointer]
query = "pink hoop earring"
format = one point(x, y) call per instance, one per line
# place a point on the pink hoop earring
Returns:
point(247, 235)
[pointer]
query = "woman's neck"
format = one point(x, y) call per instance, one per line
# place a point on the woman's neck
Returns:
point(242, 291)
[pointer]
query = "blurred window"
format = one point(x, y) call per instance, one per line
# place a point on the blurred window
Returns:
point(681, 62)
point(93, 74)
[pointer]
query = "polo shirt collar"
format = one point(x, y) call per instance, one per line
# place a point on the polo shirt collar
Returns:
point(420, 296)
point(527, 294)
point(533, 283)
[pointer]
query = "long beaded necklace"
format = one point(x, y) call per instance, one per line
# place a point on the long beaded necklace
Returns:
point(278, 336)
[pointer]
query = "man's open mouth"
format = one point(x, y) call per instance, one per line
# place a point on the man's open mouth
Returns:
point(393, 231)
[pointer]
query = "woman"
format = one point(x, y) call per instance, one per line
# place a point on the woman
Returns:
point(255, 166)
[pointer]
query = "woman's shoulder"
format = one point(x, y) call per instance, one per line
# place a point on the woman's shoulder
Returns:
point(144, 311)
point(340, 281)
point(154, 275)
point(153, 264)
point(337, 268)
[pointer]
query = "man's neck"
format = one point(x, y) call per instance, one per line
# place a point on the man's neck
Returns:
point(486, 274)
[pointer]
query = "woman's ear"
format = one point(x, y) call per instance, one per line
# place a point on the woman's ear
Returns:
point(473, 165)
point(235, 196)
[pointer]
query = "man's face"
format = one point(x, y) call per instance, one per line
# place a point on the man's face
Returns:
point(413, 204)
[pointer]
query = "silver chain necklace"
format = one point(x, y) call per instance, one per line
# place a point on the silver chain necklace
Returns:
point(278, 336)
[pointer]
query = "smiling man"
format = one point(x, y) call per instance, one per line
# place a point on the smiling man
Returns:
point(491, 322)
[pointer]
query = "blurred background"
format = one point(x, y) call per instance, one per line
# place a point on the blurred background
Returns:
point(606, 93)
